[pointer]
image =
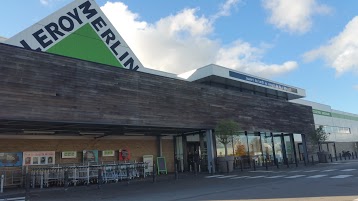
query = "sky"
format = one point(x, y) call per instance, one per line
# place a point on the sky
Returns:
point(310, 44)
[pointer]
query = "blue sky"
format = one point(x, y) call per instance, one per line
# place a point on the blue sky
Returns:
point(311, 44)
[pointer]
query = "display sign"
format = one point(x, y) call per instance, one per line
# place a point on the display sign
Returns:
point(10, 159)
point(161, 164)
point(69, 154)
point(38, 158)
point(321, 112)
point(261, 82)
point(124, 154)
point(108, 153)
point(90, 156)
point(79, 30)
point(149, 160)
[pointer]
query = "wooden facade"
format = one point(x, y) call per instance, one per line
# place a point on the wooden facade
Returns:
point(37, 86)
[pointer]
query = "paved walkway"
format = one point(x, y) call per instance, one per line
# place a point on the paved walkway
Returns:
point(167, 187)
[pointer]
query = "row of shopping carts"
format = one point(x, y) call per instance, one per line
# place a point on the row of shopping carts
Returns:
point(10, 178)
point(86, 174)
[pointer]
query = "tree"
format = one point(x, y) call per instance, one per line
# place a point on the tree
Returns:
point(225, 131)
point(319, 136)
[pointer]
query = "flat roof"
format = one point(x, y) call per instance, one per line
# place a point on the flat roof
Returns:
point(230, 77)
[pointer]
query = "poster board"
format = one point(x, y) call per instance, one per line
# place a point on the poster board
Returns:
point(90, 156)
point(149, 160)
point(69, 154)
point(161, 164)
point(38, 158)
point(108, 153)
point(11, 159)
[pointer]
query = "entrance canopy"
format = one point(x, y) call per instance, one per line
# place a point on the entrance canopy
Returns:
point(84, 129)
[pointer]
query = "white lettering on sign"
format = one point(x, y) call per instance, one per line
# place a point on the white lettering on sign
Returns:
point(51, 30)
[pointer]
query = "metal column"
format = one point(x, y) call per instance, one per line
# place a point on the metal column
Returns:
point(273, 149)
point(211, 155)
point(305, 153)
point(160, 147)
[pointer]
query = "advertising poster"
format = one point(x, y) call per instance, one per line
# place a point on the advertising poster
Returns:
point(38, 158)
point(69, 154)
point(108, 153)
point(149, 160)
point(90, 156)
point(10, 159)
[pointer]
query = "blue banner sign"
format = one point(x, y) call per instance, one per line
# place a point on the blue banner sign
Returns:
point(10, 159)
point(261, 82)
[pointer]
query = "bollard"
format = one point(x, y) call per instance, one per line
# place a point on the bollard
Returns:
point(356, 154)
point(154, 173)
point(312, 161)
point(345, 157)
point(100, 178)
point(27, 186)
point(296, 161)
point(128, 175)
point(336, 157)
point(41, 180)
point(304, 160)
point(195, 169)
point(176, 170)
point(211, 168)
point(349, 157)
point(276, 161)
point(266, 164)
point(253, 161)
point(340, 156)
point(330, 155)
point(325, 158)
point(241, 166)
point(66, 179)
point(288, 166)
point(2, 184)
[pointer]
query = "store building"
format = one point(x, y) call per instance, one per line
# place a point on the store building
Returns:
point(342, 127)
point(62, 103)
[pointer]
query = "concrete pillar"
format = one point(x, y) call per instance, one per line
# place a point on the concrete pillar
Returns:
point(211, 151)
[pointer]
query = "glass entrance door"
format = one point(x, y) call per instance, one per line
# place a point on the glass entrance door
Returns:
point(279, 151)
point(284, 148)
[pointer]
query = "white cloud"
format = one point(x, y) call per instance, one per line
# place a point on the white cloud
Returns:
point(341, 52)
point(294, 16)
point(242, 56)
point(48, 2)
point(225, 9)
point(45, 2)
point(183, 41)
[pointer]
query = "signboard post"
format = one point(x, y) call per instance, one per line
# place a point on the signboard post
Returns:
point(161, 164)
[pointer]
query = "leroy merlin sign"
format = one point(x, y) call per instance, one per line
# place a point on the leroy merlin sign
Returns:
point(82, 31)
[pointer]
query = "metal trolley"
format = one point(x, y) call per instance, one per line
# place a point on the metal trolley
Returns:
point(81, 174)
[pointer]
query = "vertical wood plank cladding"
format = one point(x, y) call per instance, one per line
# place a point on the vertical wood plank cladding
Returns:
point(45, 87)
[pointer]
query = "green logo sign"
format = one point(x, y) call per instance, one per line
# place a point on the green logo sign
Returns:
point(320, 112)
point(82, 31)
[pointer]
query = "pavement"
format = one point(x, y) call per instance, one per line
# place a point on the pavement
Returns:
point(332, 181)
